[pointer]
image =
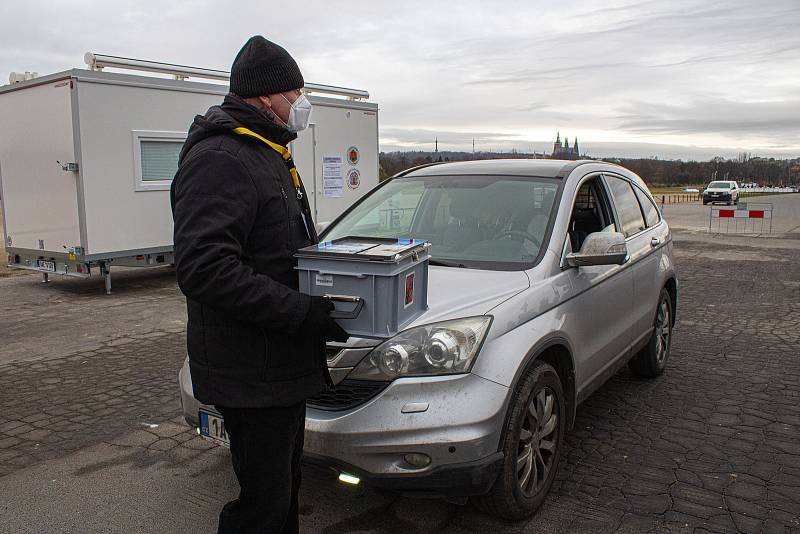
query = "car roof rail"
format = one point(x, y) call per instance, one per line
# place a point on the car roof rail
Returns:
point(572, 165)
point(417, 167)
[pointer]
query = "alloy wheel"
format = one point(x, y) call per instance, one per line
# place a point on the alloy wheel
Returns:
point(662, 332)
point(537, 441)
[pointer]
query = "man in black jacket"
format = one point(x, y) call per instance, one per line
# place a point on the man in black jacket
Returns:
point(255, 343)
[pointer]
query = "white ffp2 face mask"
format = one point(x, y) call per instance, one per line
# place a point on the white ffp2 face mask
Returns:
point(299, 114)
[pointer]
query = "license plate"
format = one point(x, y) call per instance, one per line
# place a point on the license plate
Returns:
point(212, 427)
point(45, 265)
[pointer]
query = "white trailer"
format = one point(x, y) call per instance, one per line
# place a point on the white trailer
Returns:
point(87, 158)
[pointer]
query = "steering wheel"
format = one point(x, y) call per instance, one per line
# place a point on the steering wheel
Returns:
point(520, 233)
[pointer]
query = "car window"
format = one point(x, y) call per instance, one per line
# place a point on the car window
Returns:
point(628, 210)
point(719, 185)
point(648, 207)
point(388, 216)
point(492, 222)
point(590, 213)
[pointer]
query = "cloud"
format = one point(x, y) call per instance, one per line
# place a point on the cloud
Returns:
point(771, 120)
point(684, 72)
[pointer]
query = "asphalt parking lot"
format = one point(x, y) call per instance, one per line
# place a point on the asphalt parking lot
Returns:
point(91, 437)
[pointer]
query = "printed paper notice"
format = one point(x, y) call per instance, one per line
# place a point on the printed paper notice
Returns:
point(332, 177)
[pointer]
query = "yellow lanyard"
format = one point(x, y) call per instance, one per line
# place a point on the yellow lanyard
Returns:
point(282, 150)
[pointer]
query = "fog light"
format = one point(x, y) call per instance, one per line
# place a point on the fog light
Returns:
point(348, 478)
point(417, 459)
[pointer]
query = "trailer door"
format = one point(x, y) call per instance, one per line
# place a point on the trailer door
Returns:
point(40, 199)
point(304, 154)
point(338, 156)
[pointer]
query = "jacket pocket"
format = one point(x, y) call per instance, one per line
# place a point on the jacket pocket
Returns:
point(290, 356)
point(237, 347)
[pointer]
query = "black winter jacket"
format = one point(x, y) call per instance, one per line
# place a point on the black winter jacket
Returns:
point(238, 223)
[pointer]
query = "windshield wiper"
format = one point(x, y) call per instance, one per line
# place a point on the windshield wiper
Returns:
point(442, 263)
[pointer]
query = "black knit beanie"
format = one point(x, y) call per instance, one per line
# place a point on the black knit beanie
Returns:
point(263, 68)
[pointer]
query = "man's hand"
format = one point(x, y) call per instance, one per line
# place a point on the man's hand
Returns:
point(320, 321)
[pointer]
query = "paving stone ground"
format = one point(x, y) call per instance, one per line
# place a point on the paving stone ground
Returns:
point(711, 446)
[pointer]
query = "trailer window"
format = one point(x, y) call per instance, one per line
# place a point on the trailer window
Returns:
point(156, 158)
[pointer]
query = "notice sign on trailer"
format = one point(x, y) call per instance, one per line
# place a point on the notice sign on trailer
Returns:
point(332, 177)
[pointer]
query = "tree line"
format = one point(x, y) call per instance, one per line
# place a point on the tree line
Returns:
point(743, 169)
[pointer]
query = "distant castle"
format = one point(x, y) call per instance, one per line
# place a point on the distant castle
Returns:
point(565, 151)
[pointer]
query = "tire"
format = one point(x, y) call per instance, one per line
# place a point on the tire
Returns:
point(651, 361)
point(522, 485)
point(704, 203)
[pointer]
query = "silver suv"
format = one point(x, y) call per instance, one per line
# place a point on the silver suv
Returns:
point(547, 277)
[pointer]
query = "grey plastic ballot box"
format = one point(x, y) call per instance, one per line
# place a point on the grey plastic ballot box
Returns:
point(378, 286)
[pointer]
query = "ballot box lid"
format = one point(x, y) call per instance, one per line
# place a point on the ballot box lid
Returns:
point(356, 248)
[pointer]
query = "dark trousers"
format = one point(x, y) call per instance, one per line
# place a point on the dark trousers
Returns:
point(266, 449)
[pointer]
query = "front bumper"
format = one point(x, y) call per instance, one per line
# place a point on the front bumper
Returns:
point(452, 480)
point(456, 421)
point(720, 198)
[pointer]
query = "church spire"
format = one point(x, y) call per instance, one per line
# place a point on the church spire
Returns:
point(557, 144)
point(575, 147)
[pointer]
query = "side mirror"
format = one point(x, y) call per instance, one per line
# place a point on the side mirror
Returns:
point(600, 248)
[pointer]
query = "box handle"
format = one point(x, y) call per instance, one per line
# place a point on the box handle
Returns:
point(338, 314)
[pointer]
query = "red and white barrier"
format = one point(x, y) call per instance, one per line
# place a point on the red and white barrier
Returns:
point(748, 217)
point(745, 214)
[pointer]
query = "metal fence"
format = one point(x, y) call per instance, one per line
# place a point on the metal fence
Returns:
point(744, 218)
point(684, 198)
point(679, 198)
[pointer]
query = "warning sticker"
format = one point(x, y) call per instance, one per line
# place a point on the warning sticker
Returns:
point(353, 155)
point(409, 290)
point(353, 179)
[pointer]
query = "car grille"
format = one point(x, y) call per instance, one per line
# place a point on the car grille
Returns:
point(347, 394)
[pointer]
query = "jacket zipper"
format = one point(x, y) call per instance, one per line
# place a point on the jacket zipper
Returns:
point(288, 221)
point(265, 370)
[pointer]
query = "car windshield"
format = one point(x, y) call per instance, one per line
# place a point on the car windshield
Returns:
point(719, 185)
point(484, 222)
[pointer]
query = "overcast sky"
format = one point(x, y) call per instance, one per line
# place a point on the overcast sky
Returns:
point(677, 78)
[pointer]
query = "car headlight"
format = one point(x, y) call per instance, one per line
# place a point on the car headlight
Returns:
point(448, 347)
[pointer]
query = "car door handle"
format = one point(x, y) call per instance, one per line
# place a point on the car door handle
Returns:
point(655, 242)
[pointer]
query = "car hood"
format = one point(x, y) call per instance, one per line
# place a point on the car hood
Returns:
point(718, 190)
point(457, 292)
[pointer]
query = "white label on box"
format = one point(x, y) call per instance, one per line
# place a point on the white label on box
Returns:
point(324, 280)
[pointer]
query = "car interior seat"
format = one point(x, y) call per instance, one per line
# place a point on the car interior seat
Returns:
point(585, 217)
point(462, 229)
